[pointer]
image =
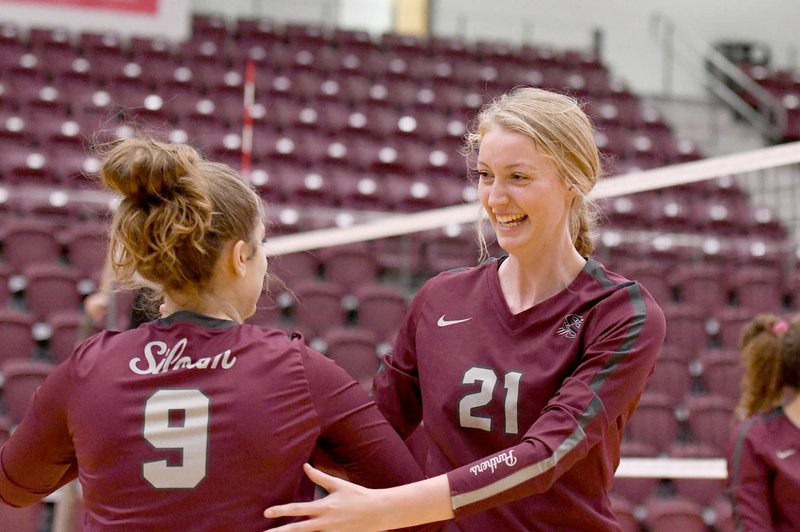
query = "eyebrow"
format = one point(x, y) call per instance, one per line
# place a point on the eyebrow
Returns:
point(514, 166)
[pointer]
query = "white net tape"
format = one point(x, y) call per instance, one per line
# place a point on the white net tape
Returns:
point(680, 174)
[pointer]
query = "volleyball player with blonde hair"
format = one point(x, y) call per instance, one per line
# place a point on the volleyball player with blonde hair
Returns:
point(764, 458)
point(523, 370)
point(195, 421)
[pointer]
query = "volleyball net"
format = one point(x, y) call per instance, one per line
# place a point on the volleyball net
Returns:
point(770, 177)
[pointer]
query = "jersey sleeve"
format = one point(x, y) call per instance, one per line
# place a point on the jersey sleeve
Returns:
point(39, 457)
point(396, 386)
point(748, 479)
point(354, 434)
point(622, 341)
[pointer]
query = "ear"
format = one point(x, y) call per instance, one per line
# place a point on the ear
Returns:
point(238, 258)
point(572, 194)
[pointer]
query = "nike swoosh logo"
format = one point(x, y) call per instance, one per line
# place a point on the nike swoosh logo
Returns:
point(786, 453)
point(444, 323)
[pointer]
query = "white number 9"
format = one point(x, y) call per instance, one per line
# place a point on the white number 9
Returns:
point(191, 437)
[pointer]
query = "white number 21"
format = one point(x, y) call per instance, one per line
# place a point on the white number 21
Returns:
point(191, 437)
point(483, 397)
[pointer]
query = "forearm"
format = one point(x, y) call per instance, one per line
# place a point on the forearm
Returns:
point(426, 501)
point(352, 507)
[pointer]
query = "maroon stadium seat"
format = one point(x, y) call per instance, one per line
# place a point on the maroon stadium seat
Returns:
point(625, 512)
point(710, 419)
point(381, 309)
point(722, 372)
point(21, 377)
point(355, 350)
point(29, 241)
point(67, 329)
point(654, 421)
point(50, 288)
point(318, 307)
point(667, 514)
point(671, 377)
point(86, 246)
point(16, 332)
point(349, 265)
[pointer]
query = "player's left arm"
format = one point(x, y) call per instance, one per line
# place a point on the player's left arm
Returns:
point(39, 457)
point(623, 335)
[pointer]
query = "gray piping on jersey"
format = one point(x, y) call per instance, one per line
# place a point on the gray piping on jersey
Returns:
point(592, 409)
point(593, 268)
point(521, 476)
point(737, 460)
point(637, 325)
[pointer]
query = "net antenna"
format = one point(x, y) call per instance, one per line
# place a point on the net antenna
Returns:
point(247, 118)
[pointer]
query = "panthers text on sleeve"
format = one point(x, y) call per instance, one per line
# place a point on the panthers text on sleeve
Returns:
point(764, 473)
point(191, 422)
point(525, 412)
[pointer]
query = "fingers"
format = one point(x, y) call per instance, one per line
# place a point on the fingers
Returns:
point(294, 509)
point(305, 509)
point(302, 526)
point(323, 480)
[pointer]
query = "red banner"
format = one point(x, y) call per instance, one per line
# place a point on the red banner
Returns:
point(136, 6)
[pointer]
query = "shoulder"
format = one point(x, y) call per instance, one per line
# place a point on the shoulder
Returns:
point(752, 438)
point(759, 426)
point(625, 296)
point(457, 278)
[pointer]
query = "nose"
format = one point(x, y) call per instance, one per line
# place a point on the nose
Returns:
point(496, 194)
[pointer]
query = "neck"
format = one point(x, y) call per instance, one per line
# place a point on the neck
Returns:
point(212, 309)
point(527, 281)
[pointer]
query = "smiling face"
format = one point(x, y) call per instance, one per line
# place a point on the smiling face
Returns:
point(526, 199)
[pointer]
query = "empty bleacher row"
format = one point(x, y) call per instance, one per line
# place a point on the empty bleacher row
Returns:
point(348, 122)
point(784, 85)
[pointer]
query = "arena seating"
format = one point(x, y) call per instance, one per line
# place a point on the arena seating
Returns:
point(346, 122)
point(784, 85)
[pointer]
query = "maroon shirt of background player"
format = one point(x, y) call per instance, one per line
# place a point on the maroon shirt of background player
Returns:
point(166, 435)
point(764, 473)
point(525, 412)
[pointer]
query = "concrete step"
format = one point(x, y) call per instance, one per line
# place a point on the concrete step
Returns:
point(710, 124)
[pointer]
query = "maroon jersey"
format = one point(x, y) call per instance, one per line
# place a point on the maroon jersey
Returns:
point(764, 473)
point(525, 412)
point(193, 422)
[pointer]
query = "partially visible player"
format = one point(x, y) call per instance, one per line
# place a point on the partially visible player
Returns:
point(525, 369)
point(195, 421)
point(764, 458)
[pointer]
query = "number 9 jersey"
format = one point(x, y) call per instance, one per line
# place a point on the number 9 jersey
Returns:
point(194, 422)
point(524, 412)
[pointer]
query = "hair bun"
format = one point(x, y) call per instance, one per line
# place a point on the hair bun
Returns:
point(146, 170)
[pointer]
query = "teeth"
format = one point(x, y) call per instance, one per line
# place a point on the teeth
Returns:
point(510, 219)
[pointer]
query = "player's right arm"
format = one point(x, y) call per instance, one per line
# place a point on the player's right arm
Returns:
point(748, 477)
point(39, 457)
point(396, 387)
point(354, 434)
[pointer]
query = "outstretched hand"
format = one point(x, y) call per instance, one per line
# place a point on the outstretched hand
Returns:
point(347, 507)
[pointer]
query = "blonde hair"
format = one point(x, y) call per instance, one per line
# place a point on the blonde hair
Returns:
point(562, 131)
point(770, 349)
point(177, 213)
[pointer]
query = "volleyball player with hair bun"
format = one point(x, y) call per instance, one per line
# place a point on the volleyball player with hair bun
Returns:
point(764, 458)
point(523, 370)
point(194, 421)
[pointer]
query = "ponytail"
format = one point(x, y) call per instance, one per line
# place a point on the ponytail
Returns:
point(762, 348)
